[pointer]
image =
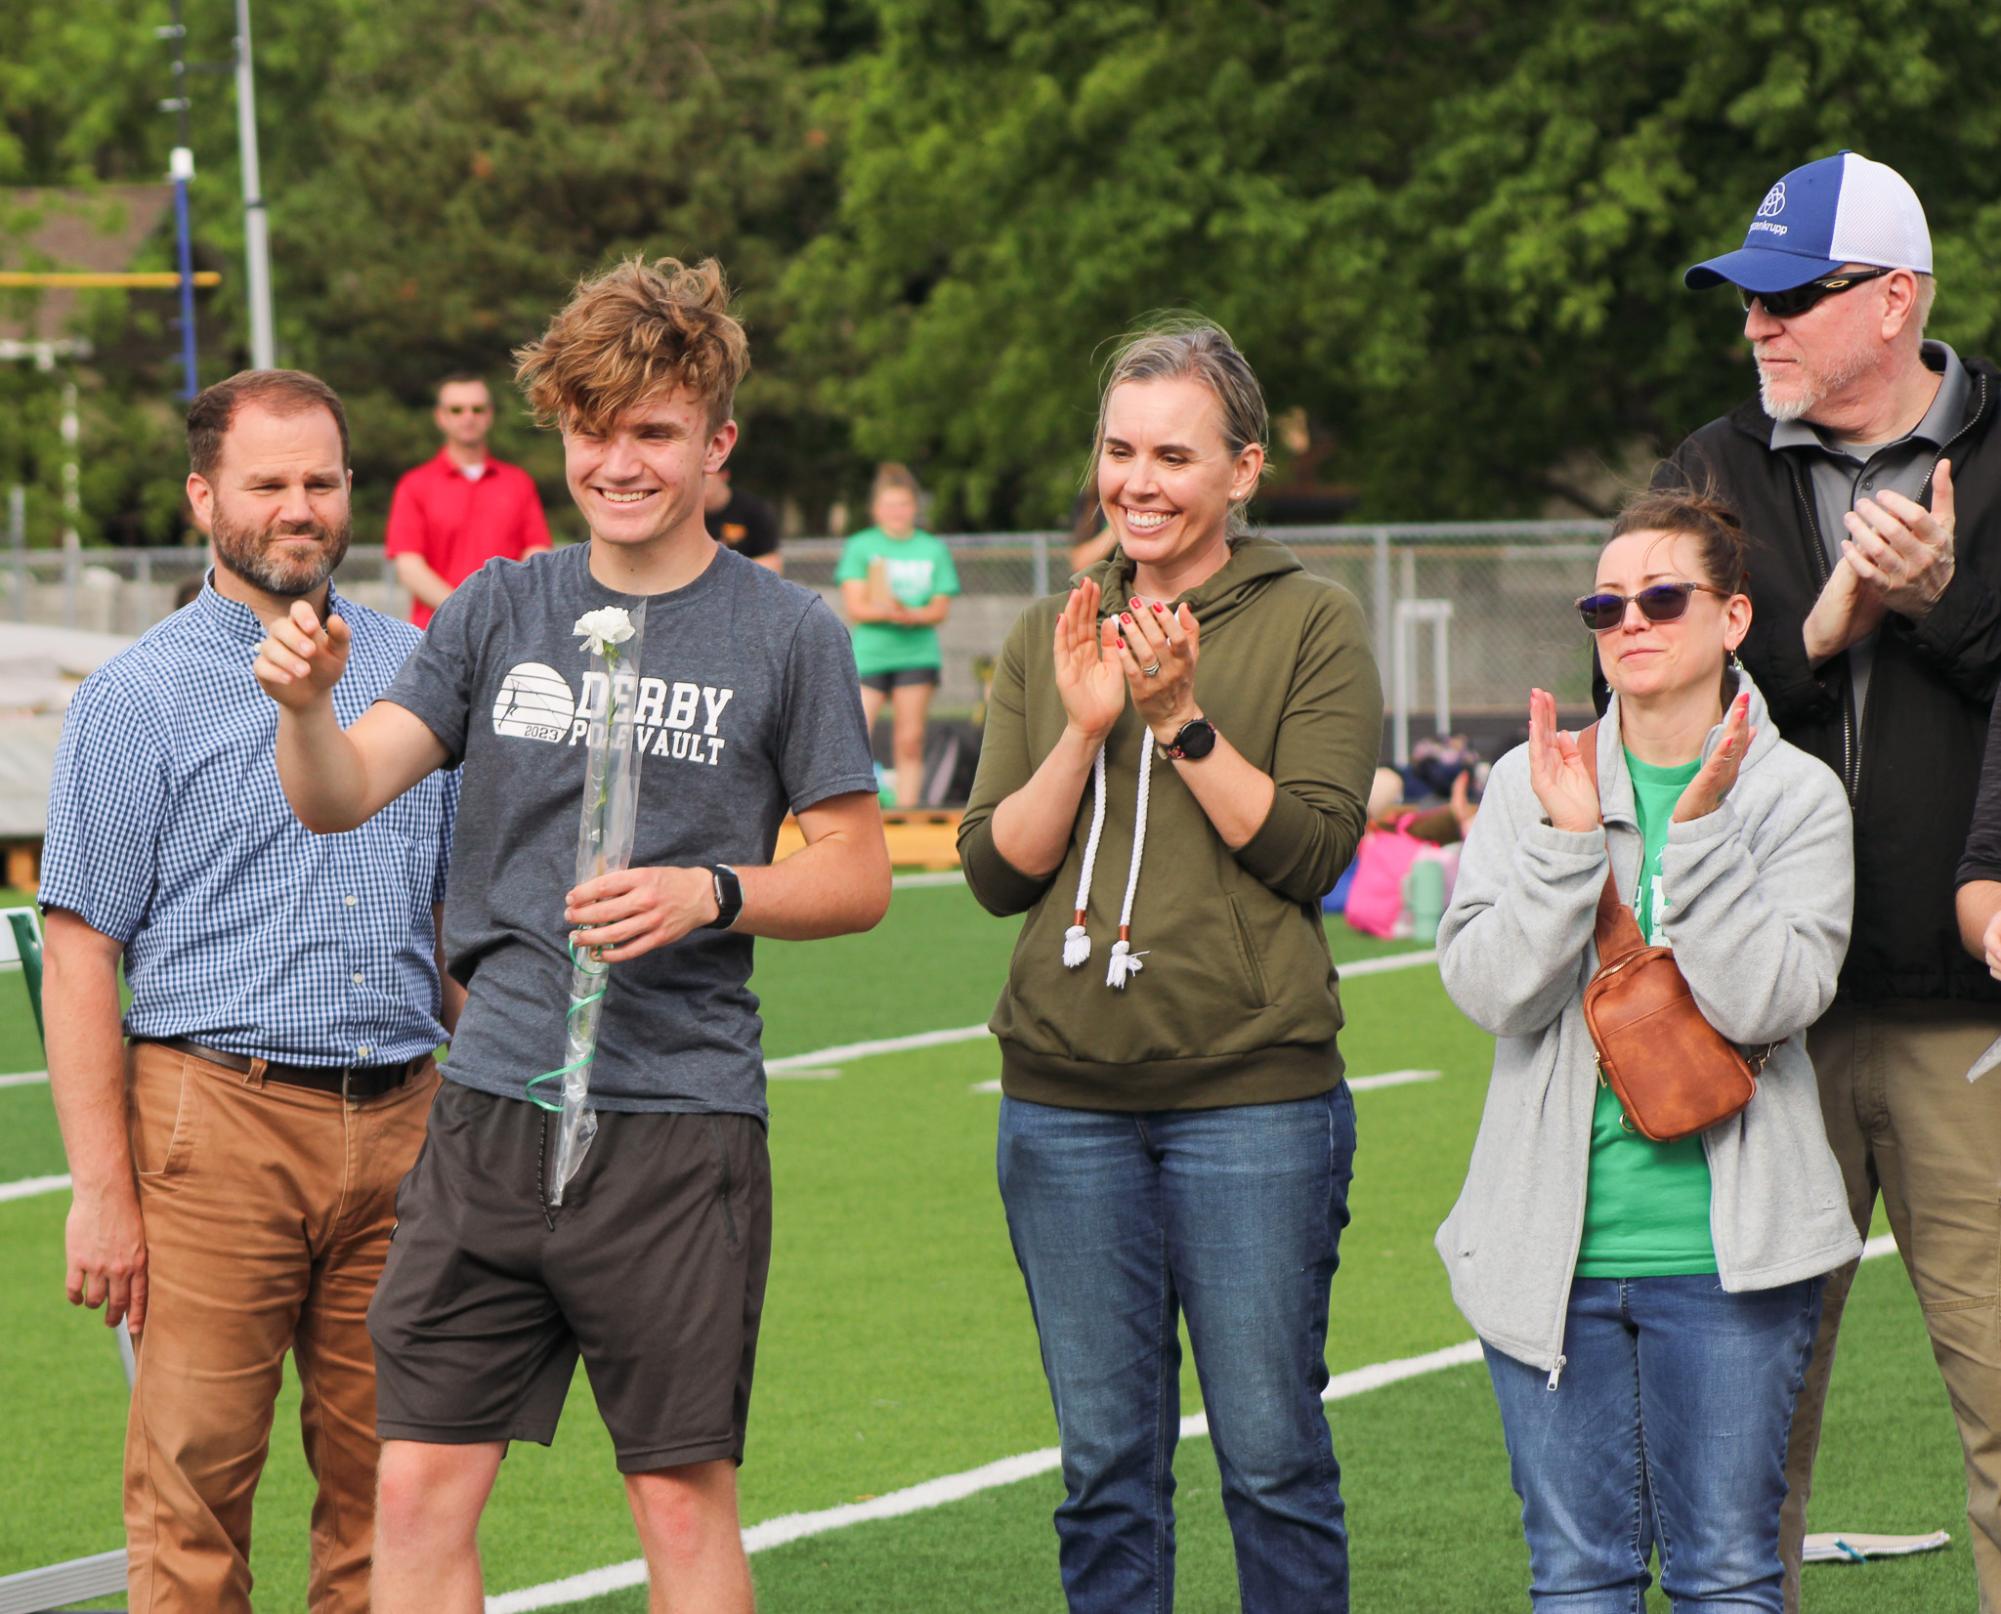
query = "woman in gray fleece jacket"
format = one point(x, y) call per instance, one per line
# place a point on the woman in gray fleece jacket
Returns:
point(1647, 1309)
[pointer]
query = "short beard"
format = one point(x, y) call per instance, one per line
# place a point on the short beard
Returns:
point(246, 553)
point(1821, 386)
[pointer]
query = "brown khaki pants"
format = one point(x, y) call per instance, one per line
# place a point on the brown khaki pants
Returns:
point(268, 1210)
point(1904, 1121)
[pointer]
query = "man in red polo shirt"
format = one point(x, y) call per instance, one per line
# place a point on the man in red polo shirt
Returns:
point(453, 514)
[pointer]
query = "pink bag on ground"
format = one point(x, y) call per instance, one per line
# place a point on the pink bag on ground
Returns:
point(1375, 900)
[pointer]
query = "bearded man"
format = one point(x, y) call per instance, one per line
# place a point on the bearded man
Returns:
point(235, 1146)
point(1868, 477)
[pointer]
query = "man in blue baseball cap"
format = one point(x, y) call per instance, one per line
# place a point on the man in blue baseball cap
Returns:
point(1867, 473)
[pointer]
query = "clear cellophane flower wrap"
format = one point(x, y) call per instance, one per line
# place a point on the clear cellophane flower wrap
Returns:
point(604, 845)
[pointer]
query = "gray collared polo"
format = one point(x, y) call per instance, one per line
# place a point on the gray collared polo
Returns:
point(1844, 473)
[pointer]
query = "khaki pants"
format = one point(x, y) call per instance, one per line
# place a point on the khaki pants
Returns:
point(268, 1210)
point(1904, 1121)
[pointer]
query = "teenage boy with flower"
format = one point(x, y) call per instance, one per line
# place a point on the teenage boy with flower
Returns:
point(653, 1267)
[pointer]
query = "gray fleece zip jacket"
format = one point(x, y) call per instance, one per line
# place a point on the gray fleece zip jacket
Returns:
point(1762, 890)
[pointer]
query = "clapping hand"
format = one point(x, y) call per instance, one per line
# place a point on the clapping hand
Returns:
point(1847, 612)
point(1705, 792)
point(1089, 675)
point(1990, 942)
point(1903, 551)
point(1556, 770)
point(1159, 649)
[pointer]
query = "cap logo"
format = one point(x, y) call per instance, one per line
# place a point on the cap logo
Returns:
point(1774, 203)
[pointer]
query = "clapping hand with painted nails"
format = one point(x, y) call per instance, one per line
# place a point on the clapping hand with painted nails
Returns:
point(1703, 794)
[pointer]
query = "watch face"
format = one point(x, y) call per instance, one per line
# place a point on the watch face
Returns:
point(1196, 739)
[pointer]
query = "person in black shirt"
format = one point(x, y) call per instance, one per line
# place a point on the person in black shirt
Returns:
point(741, 521)
point(1868, 472)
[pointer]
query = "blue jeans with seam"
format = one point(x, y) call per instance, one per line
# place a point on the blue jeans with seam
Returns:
point(1232, 1217)
point(1666, 1429)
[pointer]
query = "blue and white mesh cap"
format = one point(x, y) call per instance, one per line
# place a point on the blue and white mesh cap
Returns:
point(1842, 209)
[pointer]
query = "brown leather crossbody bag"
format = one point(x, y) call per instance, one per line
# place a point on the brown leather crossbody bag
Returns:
point(1674, 1073)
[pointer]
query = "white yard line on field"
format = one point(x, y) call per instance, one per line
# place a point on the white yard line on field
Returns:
point(823, 1064)
point(823, 1059)
point(1356, 1084)
point(948, 1488)
point(920, 882)
point(1391, 961)
point(29, 1187)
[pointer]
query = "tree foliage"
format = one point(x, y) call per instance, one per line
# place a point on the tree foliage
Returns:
point(1450, 232)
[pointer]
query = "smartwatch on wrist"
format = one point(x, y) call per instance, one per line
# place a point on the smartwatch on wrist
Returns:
point(1193, 741)
point(729, 897)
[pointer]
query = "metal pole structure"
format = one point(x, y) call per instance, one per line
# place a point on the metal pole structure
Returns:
point(256, 237)
point(72, 473)
point(17, 542)
point(181, 169)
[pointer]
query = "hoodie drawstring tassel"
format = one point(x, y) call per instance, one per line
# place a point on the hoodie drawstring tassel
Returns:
point(1125, 962)
point(1076, 943)
point(1077, 940)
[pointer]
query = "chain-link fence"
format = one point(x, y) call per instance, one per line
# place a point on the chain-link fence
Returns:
point(1464, 617)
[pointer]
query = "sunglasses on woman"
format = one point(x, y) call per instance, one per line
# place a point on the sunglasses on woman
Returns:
point(1658, 602)
point(1789, 304)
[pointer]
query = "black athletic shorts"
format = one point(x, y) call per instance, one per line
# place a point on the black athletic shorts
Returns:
point(883, 683)
point(652, 1269)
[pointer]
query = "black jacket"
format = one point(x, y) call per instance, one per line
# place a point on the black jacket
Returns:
point(1912, 767)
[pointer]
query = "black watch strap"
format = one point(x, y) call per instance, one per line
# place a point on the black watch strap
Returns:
point(729, 897)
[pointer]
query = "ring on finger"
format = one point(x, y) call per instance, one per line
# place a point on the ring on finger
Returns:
point(1152, 671)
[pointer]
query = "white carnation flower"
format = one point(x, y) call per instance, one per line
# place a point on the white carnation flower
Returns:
point(607, 626)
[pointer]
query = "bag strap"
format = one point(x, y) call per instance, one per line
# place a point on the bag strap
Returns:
point(1618, 930)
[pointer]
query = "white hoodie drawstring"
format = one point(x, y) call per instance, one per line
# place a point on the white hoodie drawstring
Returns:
point(1125, 962)
point(1077, 940)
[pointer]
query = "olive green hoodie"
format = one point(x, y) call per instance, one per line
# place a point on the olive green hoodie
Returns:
point(1235, 1000)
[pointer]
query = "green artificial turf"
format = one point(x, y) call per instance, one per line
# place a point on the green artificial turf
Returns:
point(898, 1346)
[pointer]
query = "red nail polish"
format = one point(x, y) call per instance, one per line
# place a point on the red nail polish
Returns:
point(1158, 608)
point(1122, 641)
point(1126, 616)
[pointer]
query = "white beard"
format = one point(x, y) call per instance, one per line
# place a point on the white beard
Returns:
point(1782, 410)
point(1818, 386)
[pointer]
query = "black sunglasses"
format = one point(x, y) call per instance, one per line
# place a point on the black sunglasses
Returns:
point(1789, 304)
point(1658, 602)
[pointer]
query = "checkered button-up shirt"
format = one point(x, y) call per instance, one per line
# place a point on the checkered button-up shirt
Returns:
point(242, 929)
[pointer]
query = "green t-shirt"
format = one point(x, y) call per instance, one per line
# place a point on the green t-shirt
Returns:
point(1646, 1208)
point(920, 568)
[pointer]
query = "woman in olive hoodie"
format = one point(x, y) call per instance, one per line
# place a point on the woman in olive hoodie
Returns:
point(1175, 769)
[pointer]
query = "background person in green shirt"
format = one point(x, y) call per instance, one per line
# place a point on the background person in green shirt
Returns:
point(897, 583)
point(1647, 1310)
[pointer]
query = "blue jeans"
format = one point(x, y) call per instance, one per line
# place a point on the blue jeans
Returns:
point(1122, 1221)
point(1667, 1429)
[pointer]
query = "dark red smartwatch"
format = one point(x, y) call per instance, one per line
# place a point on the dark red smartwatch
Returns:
point(1193, 741)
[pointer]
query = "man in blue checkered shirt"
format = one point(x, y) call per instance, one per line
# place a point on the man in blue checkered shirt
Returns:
point(235, 1163)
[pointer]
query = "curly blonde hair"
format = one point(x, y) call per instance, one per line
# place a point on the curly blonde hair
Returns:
point(629, 334)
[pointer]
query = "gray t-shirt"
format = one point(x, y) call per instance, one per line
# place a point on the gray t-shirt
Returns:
point(748, 704)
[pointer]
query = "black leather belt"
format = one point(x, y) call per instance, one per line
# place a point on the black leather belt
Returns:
point(352, 1081)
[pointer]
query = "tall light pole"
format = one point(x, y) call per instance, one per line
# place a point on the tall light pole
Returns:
point(256, 237)
point(182, 170)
